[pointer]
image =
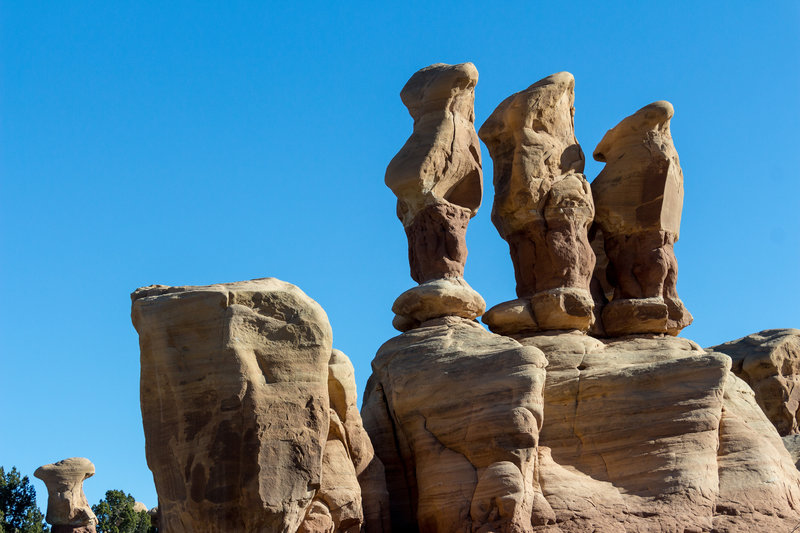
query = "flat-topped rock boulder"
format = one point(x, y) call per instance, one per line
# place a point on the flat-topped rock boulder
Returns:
point(237, 412)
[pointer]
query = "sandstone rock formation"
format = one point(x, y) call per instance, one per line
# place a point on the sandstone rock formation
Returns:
point(769, 361)
point(542, 207)
point(646, 433)
point(437, 178)
point(241, 431)
point(454, 414)
point(638, 197)
point(651, 433)
point(68, 511)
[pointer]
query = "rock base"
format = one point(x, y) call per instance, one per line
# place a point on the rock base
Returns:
point(635, 316)
point(555, 309)
point(435, 299)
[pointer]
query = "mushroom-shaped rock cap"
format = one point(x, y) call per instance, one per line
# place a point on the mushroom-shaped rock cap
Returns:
point(435, 84)
point(652, 116)
point(66, 471)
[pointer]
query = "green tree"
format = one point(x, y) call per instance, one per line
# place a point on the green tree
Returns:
point(115, 514)
point(18, 510)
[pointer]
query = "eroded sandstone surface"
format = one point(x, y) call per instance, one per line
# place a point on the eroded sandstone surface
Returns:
point(542, 207)
point(68, 511)
point(638, 200)
point(769, 361)
point(241, 431)
point(438, 180)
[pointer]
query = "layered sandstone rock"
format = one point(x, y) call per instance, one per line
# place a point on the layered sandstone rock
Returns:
point(542, 207)
point(350, 469)
point(647, 433)
point(454, 414)
point(437, 178)
point(769, 362)
point(68, 511)
point(652, 433)
point(241, 432)
point(638, 197)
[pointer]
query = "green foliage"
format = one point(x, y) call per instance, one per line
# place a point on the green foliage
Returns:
point(115, 514)
point(18, 510)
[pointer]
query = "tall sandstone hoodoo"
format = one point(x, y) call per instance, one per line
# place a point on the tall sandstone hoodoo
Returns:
point(68, 511)
point(249, 415)
point(542, 207)
point(639, 197)
point(438, 181)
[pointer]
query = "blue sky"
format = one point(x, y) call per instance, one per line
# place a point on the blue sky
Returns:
point(195, 143)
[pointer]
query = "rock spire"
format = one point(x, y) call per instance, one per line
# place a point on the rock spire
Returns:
point(437, 179)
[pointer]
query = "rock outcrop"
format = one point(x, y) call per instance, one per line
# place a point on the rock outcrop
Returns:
point(647, 433)
point(652, 433)
point(438, 181)
point(454, 414)
point(542, 207)
point(68, 511)
point(638, 199)
point(241, 431)
point(769, 362)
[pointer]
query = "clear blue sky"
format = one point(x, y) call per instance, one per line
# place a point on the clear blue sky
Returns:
point(194, 143)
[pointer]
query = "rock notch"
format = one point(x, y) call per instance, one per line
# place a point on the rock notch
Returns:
point(542, 207)
point(639, 197)
point(241, 431)
point(438, 181)
point(68, 511)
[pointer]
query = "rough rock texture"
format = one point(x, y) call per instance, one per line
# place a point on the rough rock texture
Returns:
point(647, 433)
point(542, 206)
point(769, 361)
point(350, 469)
point(438, 181)
point(237, 413)
point(435, 299)
point(454, 414)
point(652, 433)
point(68, 510)
point(437, 174)
point(638, 197)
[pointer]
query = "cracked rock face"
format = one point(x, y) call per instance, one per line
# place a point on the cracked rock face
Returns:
point(241, 431)
point(68, 511)
point(437, 174)
point(638, 199)
point(454, 414)
point(769, 361)
point(543, 208)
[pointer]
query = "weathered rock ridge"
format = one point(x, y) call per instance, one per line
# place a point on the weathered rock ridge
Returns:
point(249, 416)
